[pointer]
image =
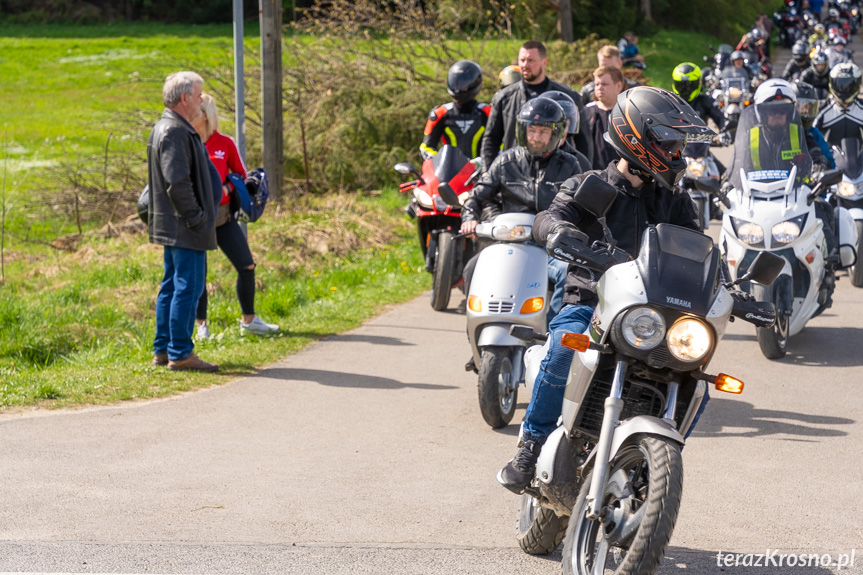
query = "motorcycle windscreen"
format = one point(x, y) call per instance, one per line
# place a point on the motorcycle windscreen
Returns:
point(449, 167)
point(696, 150)
point(850, 161)
point(679, 268)
point(770, 140)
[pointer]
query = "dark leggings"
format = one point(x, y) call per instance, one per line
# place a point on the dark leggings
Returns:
point(235, 246)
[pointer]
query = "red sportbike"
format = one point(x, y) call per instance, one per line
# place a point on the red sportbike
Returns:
point(439, 193)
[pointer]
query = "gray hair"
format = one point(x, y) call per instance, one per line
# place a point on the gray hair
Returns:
point(177, 84)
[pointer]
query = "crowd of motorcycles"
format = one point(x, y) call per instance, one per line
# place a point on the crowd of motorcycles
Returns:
point(641, 369)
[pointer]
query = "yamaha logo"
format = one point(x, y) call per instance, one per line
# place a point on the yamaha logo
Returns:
point(678, 302)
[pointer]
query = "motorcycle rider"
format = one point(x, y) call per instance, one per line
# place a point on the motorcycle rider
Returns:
point(817, 74)
point(807, 107)
point(572, 126)
point(506, 104)
point(509, 75)
point(524, 179)
point(799, 61)
point(460, 123)
point(738, 67)
point(818, 36)
point(837, 54)
point(843, 118)
point(686, 83)
point(649, 128)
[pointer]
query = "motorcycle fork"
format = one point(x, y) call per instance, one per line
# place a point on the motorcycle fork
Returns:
point(610, 420)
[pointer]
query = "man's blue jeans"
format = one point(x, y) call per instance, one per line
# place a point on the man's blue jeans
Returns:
point(557, 277)
point(546, 402)
point(182, 285)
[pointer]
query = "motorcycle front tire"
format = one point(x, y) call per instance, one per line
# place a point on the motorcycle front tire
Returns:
point(540, 530)
point(585, 541)
point(497, 389)
point(773, 341)
point(444, 269)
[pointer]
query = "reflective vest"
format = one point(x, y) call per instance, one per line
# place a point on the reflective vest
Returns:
point(788, 155)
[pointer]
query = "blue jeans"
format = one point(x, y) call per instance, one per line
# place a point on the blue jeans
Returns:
point(546, 402)
point(557, 277)
point(185, 273)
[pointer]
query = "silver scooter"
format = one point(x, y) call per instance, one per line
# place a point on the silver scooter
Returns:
point(509, 287)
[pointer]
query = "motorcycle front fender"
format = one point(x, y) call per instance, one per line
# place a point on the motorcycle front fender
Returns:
point(638, 425)
point(497, 334)
point(855, 213)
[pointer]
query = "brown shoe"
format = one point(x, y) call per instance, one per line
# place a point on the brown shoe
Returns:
point(192, 363)
point(160, 359)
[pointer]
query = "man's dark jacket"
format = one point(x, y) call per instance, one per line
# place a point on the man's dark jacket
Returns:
point(630, 214)
point(705, 108)
point(517, 182)
point(505, 106)
point(182, 213)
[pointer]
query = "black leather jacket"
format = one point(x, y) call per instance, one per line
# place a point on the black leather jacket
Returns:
point(630, 214)
point(505, 105)
point(516, 182)
point(182, 213)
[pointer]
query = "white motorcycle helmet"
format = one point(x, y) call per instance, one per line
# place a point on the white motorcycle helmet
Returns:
point(776, 94)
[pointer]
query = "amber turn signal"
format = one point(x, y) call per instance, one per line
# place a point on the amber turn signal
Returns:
point(575, 341)
point(532, 305)
point(474, 303)
point(728, 384)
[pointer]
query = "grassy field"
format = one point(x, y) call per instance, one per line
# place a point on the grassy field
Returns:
point(76, 325)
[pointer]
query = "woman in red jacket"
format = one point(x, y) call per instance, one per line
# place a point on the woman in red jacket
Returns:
point(229, 236)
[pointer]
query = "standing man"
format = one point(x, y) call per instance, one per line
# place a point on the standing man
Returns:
point(507, 102)
point(608, 84)
point(181, 217)
point(608, 55)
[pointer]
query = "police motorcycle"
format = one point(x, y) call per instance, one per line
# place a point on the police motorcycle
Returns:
point(509, 287)
point(438, 194)
point(633, 392)
point(848, 194)
point(769, 207)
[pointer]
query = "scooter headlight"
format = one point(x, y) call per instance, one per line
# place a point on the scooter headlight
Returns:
point(788, 231)
point(847, 189)
point(643, 328)
point(748, 232)
point(515, 233)
point(423, 198)
point(689, 340)
point(462, 197)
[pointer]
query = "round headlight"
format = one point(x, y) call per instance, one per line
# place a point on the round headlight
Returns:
point(423, 198)
point(689, 340)
point(785, 232)
point(847, 189)
point(734, 93)
point(643, 328)
point(750, 233)
point(696, 168)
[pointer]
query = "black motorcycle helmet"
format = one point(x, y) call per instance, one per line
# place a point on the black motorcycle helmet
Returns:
point(845, 83)
point(820, 63)
point(464, 81)
point(569, 108)
point(807, 102)
point(545, 112)
point(649, 127)
point(800, 52)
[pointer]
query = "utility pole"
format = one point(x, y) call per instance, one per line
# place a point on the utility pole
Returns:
point(239, 80)
point(271, 91)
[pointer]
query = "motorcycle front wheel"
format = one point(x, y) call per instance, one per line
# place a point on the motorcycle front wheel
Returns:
point(540, 530)
point(444, 269)
point(640, 505)
point(497, 386)
point(855, 272)
point(773, 341)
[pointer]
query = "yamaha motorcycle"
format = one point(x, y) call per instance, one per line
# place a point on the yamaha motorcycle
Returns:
point(611, 474)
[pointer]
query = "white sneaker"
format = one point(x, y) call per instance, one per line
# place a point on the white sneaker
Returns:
point(203, 331)
point(258, 326)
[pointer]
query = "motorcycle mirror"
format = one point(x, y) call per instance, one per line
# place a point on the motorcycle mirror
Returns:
point(405, 168)
point(830, 177)
point(595, 195)
point(764, 269)
point(707, 184)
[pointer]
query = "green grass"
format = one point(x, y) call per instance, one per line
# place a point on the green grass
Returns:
point(667, 48)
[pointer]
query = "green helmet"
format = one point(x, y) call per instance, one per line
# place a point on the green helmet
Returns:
point(686, 81)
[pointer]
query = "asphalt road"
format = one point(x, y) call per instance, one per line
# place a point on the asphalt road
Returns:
point(366, 453)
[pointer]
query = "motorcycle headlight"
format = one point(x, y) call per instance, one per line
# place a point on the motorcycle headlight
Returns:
point(787, 231)
point(643, 328)
point(511, 234)
point(689, 340)
point(847, 189)
point(734, 93)
point(748, 232)
point(423, 198)
point(696, 168)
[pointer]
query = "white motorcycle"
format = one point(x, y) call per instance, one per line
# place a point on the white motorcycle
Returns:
point(849, 194)
point(509, 287)
point(610, 475)
point(778, 216)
